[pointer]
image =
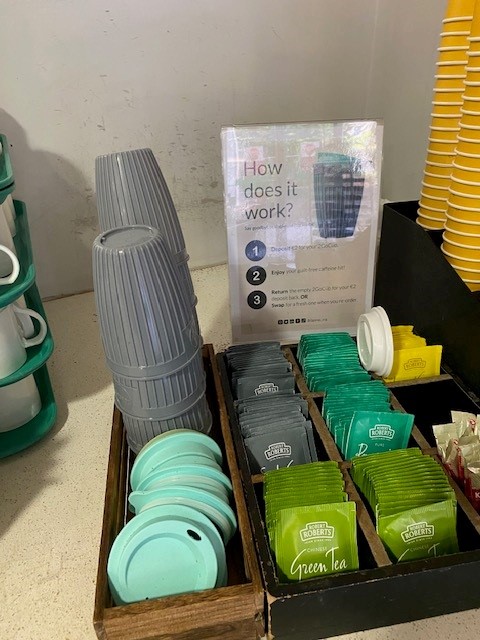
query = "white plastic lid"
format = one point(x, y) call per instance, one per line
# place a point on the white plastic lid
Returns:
point(375, 341)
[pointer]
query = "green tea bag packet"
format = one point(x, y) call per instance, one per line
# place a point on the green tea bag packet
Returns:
point(319, 383)
point(418, 484)
point(309, 342)
point(307, 483)
point(383, 511)
point(303, 485)
point(377, 461)
point(404, 470)
point(404, 475)
point(411, 493)
point(347, 388)
point(361, 465)
point(316, 541)
point(330, 467)
point(423, 532)
point(290, 501)
point(373, 432)
point(339, 431)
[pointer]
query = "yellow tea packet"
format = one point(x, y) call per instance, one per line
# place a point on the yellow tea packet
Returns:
point(420, 362)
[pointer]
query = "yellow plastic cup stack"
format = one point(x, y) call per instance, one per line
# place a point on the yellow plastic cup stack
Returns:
point(461, 245)
point(446, 113)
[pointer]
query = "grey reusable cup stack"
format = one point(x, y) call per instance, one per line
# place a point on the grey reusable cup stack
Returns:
point(131, 190)
point(149, 334)
point(145, 300)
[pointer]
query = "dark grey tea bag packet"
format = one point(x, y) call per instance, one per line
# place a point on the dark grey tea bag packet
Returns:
point(270, 427)
point(278, 449)
point(251, 386)
point(283, 399)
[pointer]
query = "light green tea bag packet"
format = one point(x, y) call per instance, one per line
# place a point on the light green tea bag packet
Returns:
point(359, 464)
point(424, 532)
point(301, 468)
point(316, 541)
point(273, 516)
point(395, 501)
point(389, 467)
point(412, 492)
point(392, 509)
point(377, 481)
point(406, 472)
point(375, 431)
point(362, 465)
point(376, 478)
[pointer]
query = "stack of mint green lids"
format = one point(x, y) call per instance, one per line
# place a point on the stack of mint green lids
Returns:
point(183, 520)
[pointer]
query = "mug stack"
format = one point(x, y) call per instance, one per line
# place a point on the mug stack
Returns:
point(145, 301)
point(27, 405)
point(446, 113)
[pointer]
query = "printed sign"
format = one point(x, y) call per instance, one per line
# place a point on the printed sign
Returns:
point(301, 208)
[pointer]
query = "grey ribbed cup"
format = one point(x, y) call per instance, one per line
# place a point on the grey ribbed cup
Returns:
point(164, 397)
point(147, 327)
point(131, 190)
point(141, 431)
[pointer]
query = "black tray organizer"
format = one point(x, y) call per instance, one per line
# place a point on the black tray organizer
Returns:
point(415, 285)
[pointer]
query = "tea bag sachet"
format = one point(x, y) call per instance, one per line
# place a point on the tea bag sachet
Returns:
point(278, 449)
point(315, 541)
point(301, 491)
point(417, 362)
point(375, 431)
point(413, 502)
point(272, 417)
point(329, 359)
point(422, 532)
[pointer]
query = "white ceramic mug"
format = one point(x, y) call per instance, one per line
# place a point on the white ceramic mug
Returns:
point(13, 344)
point(25, 321)
point(9, 265)
point(20, 402)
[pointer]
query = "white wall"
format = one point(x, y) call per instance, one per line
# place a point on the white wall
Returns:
point(84, 78)
point(407, 35)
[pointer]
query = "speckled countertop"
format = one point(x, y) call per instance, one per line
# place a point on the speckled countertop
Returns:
point(52, 494)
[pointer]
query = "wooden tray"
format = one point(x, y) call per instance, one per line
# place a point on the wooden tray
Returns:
point(380, 593)
point(232, 612)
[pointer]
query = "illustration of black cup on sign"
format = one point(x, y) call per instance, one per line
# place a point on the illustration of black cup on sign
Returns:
point(338, 186)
